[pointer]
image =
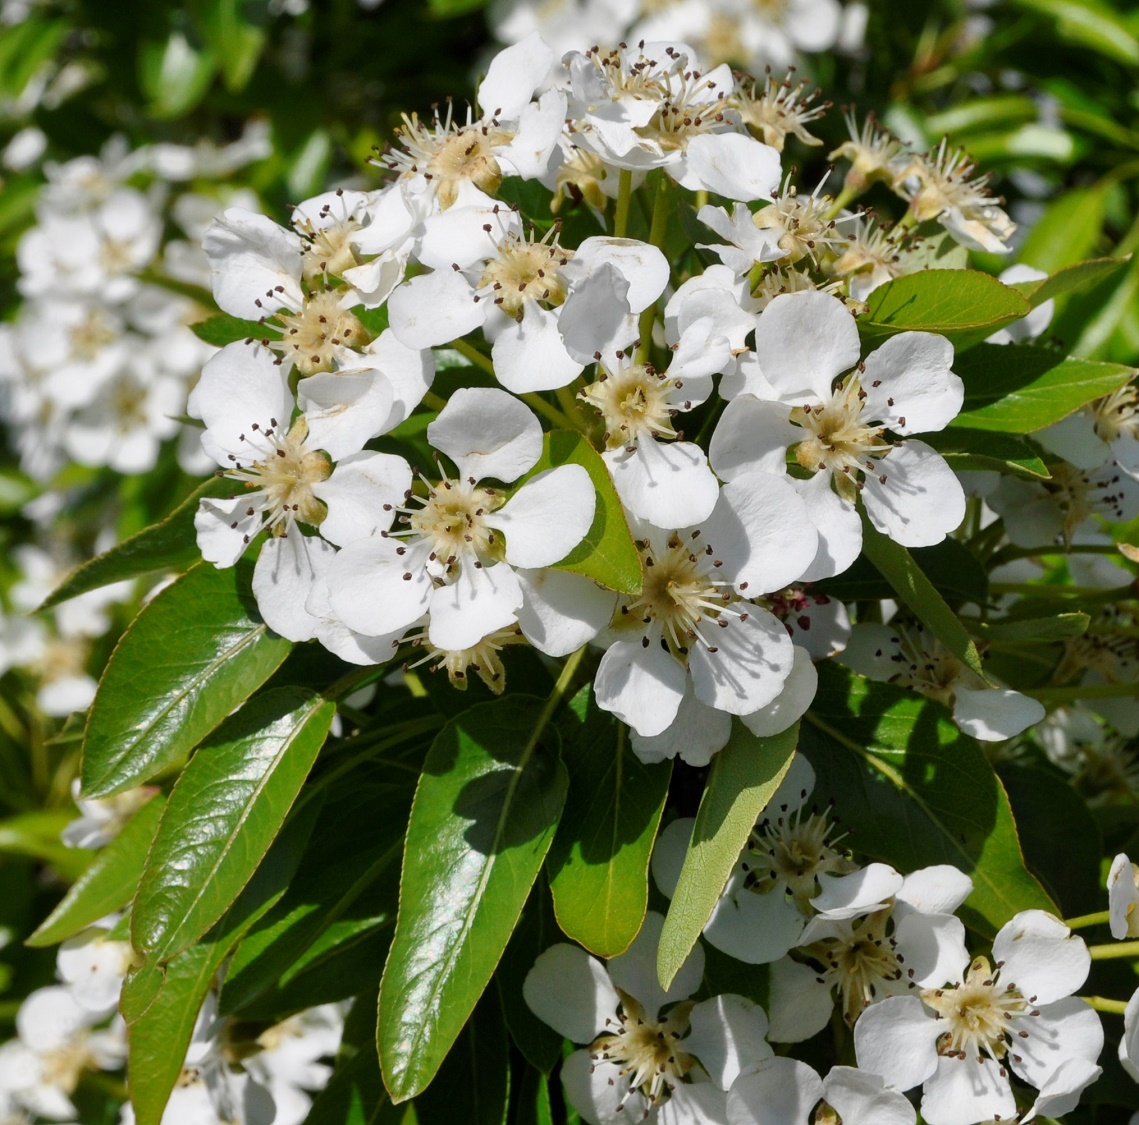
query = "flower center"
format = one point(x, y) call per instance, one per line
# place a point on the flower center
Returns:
point(523, 271)
point(312, 336)
point(284, 474)
point(647, 1051)
point(802, 226)
point(978, 1014)
point(841, 442)
point(450, 521)
point(680, 596)
point(925, 665)
point(633, 403)
point(1117, 414)
point(328, 249)
point(93, 333)
point(790, 853)
point(484, 658)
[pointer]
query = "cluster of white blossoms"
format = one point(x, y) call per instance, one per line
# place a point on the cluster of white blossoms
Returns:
point(886, 949)
point(96, 366)
point(232, 1074)
point(354, 307)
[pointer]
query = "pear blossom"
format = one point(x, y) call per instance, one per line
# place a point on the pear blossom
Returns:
point(651, 1054)
point(1102, 433)
point(958, 1041)
point(783, 1091)
point(453, 554)
point(906, 653)
point(757, 539)
point(1123, 897)
point(778, 108)
point(803, 342)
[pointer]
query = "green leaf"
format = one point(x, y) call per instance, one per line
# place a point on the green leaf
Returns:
point(1071, 278)
point(984, 449)
point(1068, 231)
point(1055, 628)
point(237, 44)
point(1084, 23)
point(226, 809)
point(919, 791)
point(965, 306)
point(949, 565)
point(161, 1003)
point(599, 862)
point(473, 1083)
point(743, 778)
point(607, 554)
point(483, 818)
point(225, 329)
point(919, 595)
point(174, 75)
point(1048, 809)
point(109, 883)
point(170, 544)
point(1019, 389)
point(193, 654)
point(35, 835)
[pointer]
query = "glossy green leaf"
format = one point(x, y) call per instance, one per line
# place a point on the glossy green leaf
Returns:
point(109, 883)
point(987, 450)
point(919, 595)
point(919, 791)
point(1067, 232)
point(161, 1003)
point(225, 329)
point(192, 655)
point(483, 818)
point(1071, 278)
point(473, 1084)
point(743, 778)
point(1019, 389)
point(224, 812)
point(607, 554)
point(599, 862)
point(965, 306)
point(170, 544)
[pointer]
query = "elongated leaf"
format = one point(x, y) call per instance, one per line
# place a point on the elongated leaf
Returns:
point(607, 554)
point(919, 791)
point(1067, 232)
point(983, 449)
point(744, 776)
point(1085, 23)
point(1053, 628)
point(170, 544)
point(109, 883)
point(35, 835)
point(920, 595)
point(599, 862)
point(1071, 278)
point(225, 329)
point(196, 652)
point(965, 306)
point(1020, 389)
point(161, 1003)
point(223, 814)
point(483, 817)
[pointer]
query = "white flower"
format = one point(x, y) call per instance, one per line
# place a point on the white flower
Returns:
point(694, 618)
point(1102, 432)
point(803, 342)
point(652, 1055)
point(289, 1065)
point(909, 655)
point(1123, 897)
point(94, 968)
point(782, 1091)
point(449, 558)
point(958, 1040)
point(1032, 325)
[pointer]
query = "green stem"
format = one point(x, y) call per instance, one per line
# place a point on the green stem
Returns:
point(571, 407)
point(1083, 691)
point(1007, 554)
point(536, 402)
point(1044, 590)
point(1088, 920)
point(1103, 1004)
point(553, 702)
point(657, 231)
point(434, 401)
point(1114, 950)
point(845, 197)
point(469, 351)
point(353, 681)
point(624, 194)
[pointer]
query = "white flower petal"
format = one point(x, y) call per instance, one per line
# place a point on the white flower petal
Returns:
point(780, 1092)
point(697, 732)
point(668, 854)
point(838, 526)
point(909, 384)
point(635, 970)
point(1067, 1029)
point(803, 341)
point(361, 494)
point(529, 354)
point(728, 1036)
point(860, 892)
point(434, 308)
point(895, 1039)
point(344, 410)
point(597, 1090)
point(799, 1001)
point(933, 946)
point(752, 659)
point(1041, 956)
point(487, 433)
point(752, 434)
point(642, 685)
point(515, 74)
point(481, 600)
point(570, 991)
point(367, 589)
point(1060, 1094)
point(225, 527)
point(249, 255)
point(733, 165)
point(547, 517)
point(282, 580)
point(920, 501)
point(938, 889)
point(994, 714)
point(862, 1099)
point(596, 315)
point(667, 483)
point(753, 928)
point(641, 264)
point(562, 611)
point(790, 704)
point(961, 1091)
